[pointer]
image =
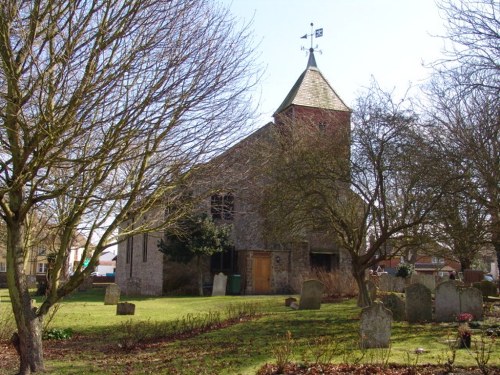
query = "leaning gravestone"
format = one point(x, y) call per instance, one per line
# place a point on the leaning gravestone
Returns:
point(112, 296)
point(471, 301)
point(396, 304)
point(447, 304)
point(418, 303)
point(375, 329)
point(125, 308)
point(220, 283)
point(312, 292)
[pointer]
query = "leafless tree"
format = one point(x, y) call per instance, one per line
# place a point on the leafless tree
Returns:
point(107, 110)
point(473, 28)
point(465, 104)
point(386, 188)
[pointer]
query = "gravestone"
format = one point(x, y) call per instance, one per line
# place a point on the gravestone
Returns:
point(418, 303)
point(125, 308)
point(112, 296)
point(396, 304)
point(391, 283)
point(425, 279)
point(471, 301)
point(220, 284)
point(447, 304)
point(372, 290)
point(375, 329)
point(310, 297)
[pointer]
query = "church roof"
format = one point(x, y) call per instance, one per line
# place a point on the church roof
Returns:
point(313, 90)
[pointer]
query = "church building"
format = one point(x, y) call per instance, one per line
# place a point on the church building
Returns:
point(259, 265)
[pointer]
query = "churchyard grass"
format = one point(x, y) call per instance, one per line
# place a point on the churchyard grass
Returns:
point(330, 333)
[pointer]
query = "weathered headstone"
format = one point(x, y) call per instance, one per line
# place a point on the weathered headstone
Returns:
point(125, 308)
point(396, 304)
point(112, 295)
point(391, 283)
point(471, 301)
point(418, 303)
point(311, 295)
point(375, 329)
point(220, 284)
point(447, 301)
point(425, 279)
point(372, 289)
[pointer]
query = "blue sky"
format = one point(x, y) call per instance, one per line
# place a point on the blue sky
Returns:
point(387, 39)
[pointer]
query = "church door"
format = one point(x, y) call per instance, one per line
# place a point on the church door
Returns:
point(261, 273)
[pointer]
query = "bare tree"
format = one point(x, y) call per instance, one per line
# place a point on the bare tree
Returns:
point(107, 109)
point(385, 189)
point(473, 28)
point(465, 105)
point(459, 224)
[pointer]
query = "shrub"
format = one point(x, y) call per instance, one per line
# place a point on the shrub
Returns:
point(337, 283)
point(404, 270)
point(58, 334)
point(7, 322)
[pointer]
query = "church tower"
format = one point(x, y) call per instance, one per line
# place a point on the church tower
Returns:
point(312, 102)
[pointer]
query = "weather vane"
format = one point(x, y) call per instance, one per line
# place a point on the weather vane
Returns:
point(318, 33)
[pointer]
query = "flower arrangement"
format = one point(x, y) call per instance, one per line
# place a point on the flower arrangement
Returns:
point(465, 317)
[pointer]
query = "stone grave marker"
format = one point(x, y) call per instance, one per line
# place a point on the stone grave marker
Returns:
point(396, 304)
point(125, 308)
point(112, 296)
point(220, 284)
point(391, 283)
point(418, 303)
point(311, 295)
point(427, 280)
point(471, 301)
point(447, 301)
point(376, 323)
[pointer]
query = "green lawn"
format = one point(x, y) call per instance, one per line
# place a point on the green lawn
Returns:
point(241, 348)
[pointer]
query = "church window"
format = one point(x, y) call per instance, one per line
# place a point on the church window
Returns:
point(145, 247)
point(222, 206)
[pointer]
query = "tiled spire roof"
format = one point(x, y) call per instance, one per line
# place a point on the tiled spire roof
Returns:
point(313, 90)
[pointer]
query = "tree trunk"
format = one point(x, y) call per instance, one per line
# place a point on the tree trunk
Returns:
point(363, 295)
point(30, 346)
point(28, 340)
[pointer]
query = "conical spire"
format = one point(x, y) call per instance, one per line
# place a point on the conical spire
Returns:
point(311, 63)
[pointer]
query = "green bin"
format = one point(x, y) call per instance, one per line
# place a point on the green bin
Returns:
point(234, 284)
